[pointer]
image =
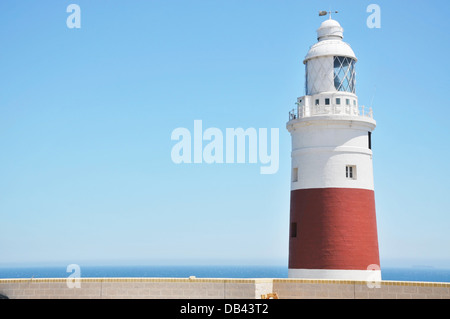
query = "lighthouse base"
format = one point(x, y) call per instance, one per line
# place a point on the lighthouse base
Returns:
point(336, 274)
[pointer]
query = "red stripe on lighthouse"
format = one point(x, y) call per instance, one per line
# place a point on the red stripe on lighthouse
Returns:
point(333, 228)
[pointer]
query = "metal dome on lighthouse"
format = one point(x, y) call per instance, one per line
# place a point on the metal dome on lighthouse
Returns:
point(333, 231)
point(330, 41)
point(330, 29)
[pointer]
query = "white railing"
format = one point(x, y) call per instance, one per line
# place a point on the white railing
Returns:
point(314, 110)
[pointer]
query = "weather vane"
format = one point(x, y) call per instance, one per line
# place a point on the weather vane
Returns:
point(324, 13)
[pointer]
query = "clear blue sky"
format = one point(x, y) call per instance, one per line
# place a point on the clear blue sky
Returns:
point(86, 117)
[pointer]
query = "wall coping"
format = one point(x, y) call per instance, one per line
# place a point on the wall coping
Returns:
point(137, 279)
point(363, 282)
point(223, 280)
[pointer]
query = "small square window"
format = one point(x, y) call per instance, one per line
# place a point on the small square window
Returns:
point(293, 230)
point(317, 101)
point(350, 171)
point(338, 101)
point(295, 174)
point(327, 101)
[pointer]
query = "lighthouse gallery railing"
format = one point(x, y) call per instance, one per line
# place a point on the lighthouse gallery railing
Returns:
point(303, 111)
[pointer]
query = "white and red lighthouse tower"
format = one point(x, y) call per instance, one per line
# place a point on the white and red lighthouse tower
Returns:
point(333, 230)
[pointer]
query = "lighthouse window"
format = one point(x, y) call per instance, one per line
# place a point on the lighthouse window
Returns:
point(327, 101)
point(317, 101)
point(344, 74)
point(347, 102)
point(350, 171)
point(338, 101)
point(293, 230)
point(295, 174)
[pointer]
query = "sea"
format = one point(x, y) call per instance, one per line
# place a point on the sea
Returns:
point(425, 274)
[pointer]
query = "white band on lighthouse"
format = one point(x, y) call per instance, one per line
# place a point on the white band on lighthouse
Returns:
point(336, 274)
point(323, 147)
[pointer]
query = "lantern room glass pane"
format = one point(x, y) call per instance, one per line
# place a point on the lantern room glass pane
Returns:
point(306, 79)
point(344, 74)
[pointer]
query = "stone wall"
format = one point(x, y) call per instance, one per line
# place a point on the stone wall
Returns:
point(199, 288)
point(342, 289)
point(120, 288)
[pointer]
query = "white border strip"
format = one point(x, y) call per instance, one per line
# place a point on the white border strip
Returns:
point(335, 274)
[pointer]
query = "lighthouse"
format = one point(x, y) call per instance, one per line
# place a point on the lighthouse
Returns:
point(333, 229)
